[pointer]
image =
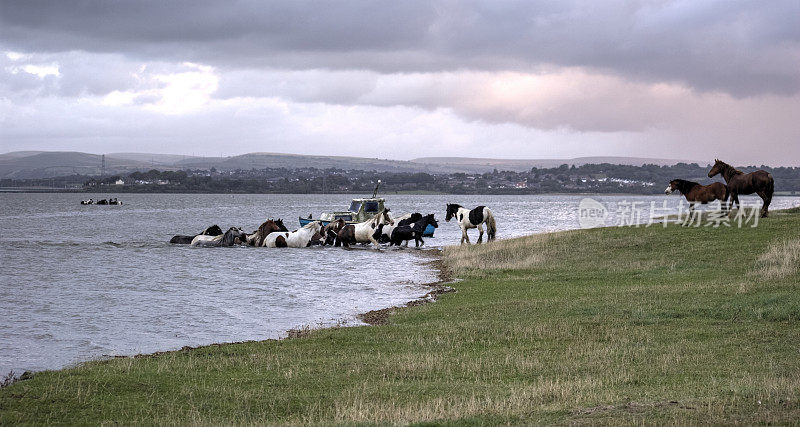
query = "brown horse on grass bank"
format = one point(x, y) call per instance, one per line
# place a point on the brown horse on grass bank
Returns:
point(759, 182)
point(695, 192)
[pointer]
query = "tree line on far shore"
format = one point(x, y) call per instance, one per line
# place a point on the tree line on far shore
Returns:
point(590, 178)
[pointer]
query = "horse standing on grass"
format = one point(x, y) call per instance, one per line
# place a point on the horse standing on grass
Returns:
point(759, 182)
point(299, 238)
point(472, 219)
point(696, 193)
point(364, 232)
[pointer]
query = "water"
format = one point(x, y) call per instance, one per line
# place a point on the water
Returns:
point(83, 282)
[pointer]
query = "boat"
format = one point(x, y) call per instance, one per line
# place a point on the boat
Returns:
point(361, 209)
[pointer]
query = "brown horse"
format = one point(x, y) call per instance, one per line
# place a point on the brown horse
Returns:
point(269, 226)
point(696, 193)
point(759, 182)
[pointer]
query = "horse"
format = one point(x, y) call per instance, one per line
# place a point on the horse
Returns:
point(231, 237)
point(299, 238)
point(386, 235)
point(472, 219)
point(759, 182)
point(102, 202)
point(269, 226)
point(364, 232)
point(114, 201)
point(214, 230)
point(414, 231)
point(87, 202)
point(696, 193)
point(330, 231)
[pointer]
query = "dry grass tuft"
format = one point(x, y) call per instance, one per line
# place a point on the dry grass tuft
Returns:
point(782, 259)
point(514, 254)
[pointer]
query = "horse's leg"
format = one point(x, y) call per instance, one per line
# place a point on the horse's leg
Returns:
point(464, 235)
point(690, 217)
point(766, 199)
point(480, 236)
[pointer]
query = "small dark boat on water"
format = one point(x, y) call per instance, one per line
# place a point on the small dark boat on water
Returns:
point(113, 201)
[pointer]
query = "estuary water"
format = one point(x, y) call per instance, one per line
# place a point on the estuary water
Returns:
point(85, 282)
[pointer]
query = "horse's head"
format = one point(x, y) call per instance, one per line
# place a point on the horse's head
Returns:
point(452, 210)
point(383, 217)
point(673, 185)
point(233, 236)
point(279, 223)
point(717, 168)
point(329, 233)
point(430, 219)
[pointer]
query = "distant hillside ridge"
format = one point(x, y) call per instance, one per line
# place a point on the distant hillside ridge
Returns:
point(47, 164)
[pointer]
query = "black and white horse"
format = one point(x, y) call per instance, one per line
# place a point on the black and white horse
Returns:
point(407, 219)
point(179, 239)
point(472, 219)
point(406, 232)
point(231, 237)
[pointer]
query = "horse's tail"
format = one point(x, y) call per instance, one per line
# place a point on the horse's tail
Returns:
point(491, 225)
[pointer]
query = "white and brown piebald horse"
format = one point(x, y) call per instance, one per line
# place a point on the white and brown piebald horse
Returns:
point(472, 219)
point(368, 231)
point(299, 238)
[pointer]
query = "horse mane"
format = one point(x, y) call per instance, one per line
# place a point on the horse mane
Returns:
point(310, 224)
point(726, 166)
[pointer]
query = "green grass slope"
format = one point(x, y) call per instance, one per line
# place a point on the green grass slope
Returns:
point(607, 325)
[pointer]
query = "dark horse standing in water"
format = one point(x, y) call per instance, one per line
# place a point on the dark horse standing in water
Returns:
point(696, 193)
point(759, 182)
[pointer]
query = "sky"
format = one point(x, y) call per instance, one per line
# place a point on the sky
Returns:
point(404, 79)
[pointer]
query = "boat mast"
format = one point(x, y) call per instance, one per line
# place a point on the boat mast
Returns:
point(375, 193)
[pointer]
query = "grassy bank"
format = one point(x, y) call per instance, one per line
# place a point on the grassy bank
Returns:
point(617, 324)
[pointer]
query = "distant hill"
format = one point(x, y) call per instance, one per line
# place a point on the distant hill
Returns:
point(278, 160)
point(46, 164)
point(155, 159)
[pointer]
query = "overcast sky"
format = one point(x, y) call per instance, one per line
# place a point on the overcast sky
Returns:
point(402, 79)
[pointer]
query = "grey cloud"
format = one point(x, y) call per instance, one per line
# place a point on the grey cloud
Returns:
point(743, 48)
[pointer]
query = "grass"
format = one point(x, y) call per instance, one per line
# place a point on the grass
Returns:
point(615, 325)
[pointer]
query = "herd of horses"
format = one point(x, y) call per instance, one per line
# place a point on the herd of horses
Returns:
point(382, 228)
point(737, 182)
